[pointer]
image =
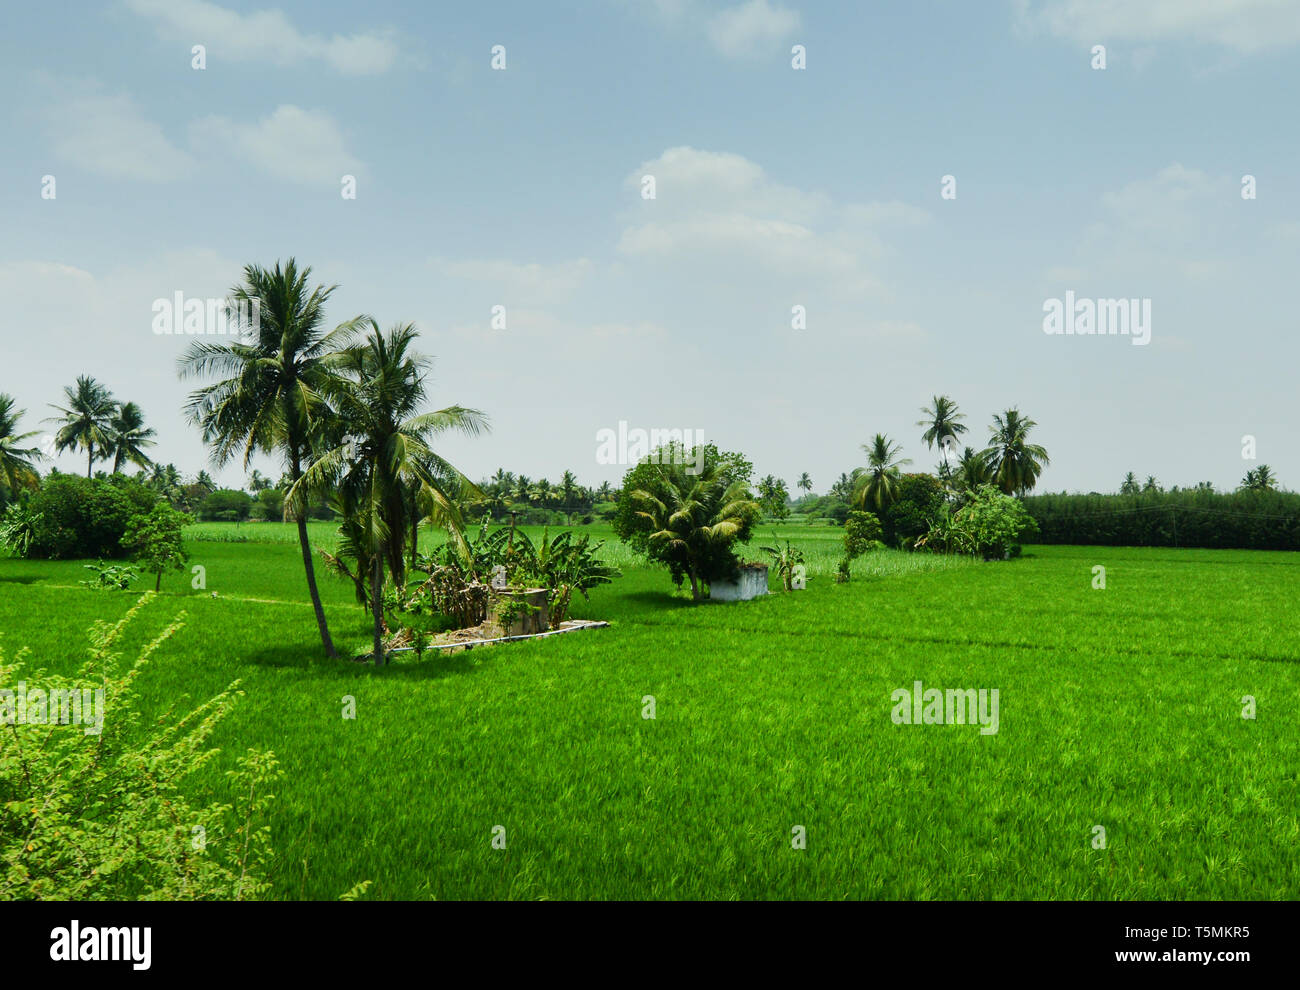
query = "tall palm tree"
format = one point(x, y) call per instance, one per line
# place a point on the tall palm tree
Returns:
point(17, 463)
point(382, 450)
point(942, 422)
point(1129, 486)
point(877, 486)
point(1151, 486)
point(130, 437)
point(87, 420)
point(258, 482)
point(805, 483)
point(270, 394)
point(1014, 462)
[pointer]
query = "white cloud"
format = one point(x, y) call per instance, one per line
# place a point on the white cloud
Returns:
point(720, 211)
point(264, 36)
point(291, 143)
point(739, 30)
point(107, 134)
point(516, 283)
point(752, 27)
point(1243, 25)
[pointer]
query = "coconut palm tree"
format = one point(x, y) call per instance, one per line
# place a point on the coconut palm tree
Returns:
point(1152, 486)
point(1129, 486)
point(877, 486)
point(258, 482)
point(1261, 479)
point(696, 518)
point(1014, 462)
point(942, 422)
point(382, 450)
point(87, 420)
point(270, 394)
point(972, 471)
point(805, 483)
point(130, 436)
point(17, 463)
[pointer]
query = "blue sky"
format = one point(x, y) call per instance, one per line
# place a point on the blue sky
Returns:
point(775, 188)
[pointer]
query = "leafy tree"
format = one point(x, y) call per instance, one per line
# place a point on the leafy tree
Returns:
point(877, 486)
point(917, 499)
point(271, 397)
point(990, 523)
point(1014, 463)
point(155, 540)
point(686, 517)
point(382, 449)
point(773, 496)
point(226, 505)
point(129, 437)
point(87, 420)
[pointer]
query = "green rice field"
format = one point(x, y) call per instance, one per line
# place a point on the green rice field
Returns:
point(1119, 707)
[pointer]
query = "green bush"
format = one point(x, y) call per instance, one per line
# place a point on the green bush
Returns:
point(72, 517)
point(989, 524)
point(97, 810)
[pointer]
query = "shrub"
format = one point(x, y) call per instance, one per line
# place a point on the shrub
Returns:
point(786, 561)
point(72, 517)
point(990, 524)
point(102, 815)
point(110, 577)
point(862, 532)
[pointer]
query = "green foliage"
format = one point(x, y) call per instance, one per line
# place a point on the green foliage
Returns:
point(917, 497)
point(862, 533)
point(688, 517)
point(990, 524)
point(269, 505)
point(774, 497)
point(105, 815)
point(155, 540)
point(72, 517)
point(226, 505)
point(785, 559)
point(1191, 517)
point(110, 577)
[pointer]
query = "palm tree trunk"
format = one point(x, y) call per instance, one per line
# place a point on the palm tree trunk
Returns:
point(377, 604)
point(295, 471)
point(90, 459)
